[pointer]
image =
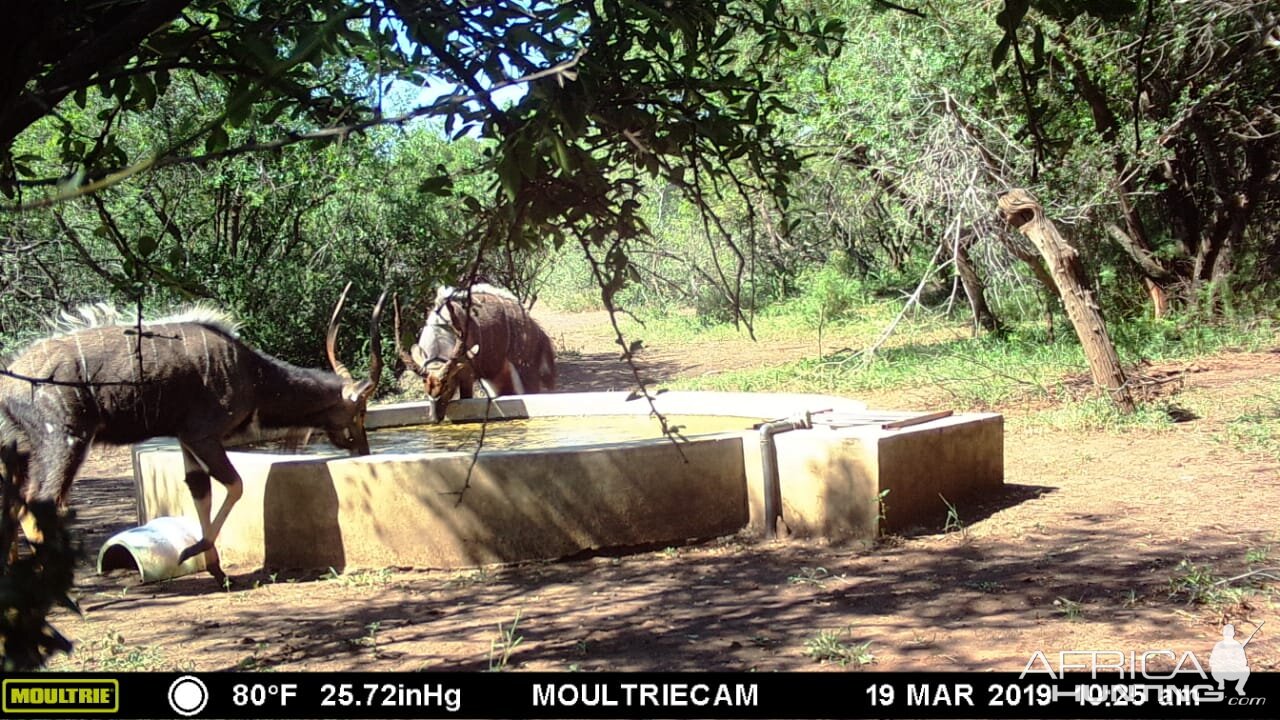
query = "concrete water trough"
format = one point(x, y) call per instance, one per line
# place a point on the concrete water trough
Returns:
point(457, 508)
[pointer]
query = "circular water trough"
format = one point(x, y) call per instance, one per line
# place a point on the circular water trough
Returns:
point(461, 508)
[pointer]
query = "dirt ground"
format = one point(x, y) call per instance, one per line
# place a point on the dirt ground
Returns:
point(1077, 553)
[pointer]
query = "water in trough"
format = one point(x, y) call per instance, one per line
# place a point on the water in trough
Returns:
point(531, 433)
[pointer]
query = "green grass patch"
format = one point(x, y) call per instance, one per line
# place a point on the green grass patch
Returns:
point(1186, 336)
point(361, 578)
point(1257, 429)
point(973, 372)
point(504, 644)
point(1072, 610)
point(924, 351)
point(1097, 413)
point(836, 647)
point(1202, 584)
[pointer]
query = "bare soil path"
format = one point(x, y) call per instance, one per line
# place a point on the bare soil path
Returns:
point(1078, 553)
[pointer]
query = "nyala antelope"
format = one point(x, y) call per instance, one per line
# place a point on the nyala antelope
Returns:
point(480, 334)
point(117, 382)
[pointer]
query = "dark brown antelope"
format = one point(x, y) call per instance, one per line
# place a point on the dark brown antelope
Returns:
point(480, 334)
point(188, 377)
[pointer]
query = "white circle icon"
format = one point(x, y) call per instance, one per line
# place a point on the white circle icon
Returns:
point(188, 695)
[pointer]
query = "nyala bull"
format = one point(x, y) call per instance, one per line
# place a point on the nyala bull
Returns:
point(482, 334)
point(189, 377)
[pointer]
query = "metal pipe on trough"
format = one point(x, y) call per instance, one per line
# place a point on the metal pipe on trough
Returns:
point(769, 466)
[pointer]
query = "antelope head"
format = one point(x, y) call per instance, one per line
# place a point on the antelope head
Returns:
point(440, 365)
point(346, 426)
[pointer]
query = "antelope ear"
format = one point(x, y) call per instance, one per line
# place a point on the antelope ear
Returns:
point(357, 391)
point(417, 354)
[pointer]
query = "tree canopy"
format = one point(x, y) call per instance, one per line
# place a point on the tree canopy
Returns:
point(614, 93)
point(562, 116)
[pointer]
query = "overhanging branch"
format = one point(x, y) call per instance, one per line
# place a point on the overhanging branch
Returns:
point(85, 62)
point(104, 179)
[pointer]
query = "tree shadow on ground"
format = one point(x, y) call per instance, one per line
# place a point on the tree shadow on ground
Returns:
point(702, 609)
point(606, 371)
point(974, 509)
point(964, 600)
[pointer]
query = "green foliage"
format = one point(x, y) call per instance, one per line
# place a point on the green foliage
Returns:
point(828, 294)
point(1256, 431)
point(912, 135)
point(564, 160)
point(953, 522)
point(32, 585)
point(1201, 584)
point(278, 61)
point(976, 373)
point(1190, 334)
point(716, 305)
point(1064, 11)
point(270, 239)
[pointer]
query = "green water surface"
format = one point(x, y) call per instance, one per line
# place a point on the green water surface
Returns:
point(531, 433)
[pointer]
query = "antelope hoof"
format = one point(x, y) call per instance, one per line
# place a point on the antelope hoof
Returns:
point(202, 546)
point(214, 565)
point(218, 576)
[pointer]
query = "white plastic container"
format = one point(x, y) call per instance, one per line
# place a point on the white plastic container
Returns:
point(153, 549)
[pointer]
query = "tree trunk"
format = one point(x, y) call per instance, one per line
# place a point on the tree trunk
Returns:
point(1153, 272)
point(1022, 211)
point(1159, 298)
point(1134, 239)
point(974, 290)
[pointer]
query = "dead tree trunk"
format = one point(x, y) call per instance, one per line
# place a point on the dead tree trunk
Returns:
point(974, 290)
point(1022, 211)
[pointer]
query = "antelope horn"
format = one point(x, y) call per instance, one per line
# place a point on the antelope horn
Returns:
point(405, 357)
point(331, 338)
point(375, 343)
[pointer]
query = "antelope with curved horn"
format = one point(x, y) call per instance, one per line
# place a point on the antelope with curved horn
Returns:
point(481, 333)
point(189, 377)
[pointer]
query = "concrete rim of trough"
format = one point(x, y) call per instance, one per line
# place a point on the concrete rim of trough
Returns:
point(758, 406)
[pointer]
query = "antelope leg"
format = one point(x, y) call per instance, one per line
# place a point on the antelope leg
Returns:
point(507, 382)
point(517, 386)
point(203, 458)
point(58, 459)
